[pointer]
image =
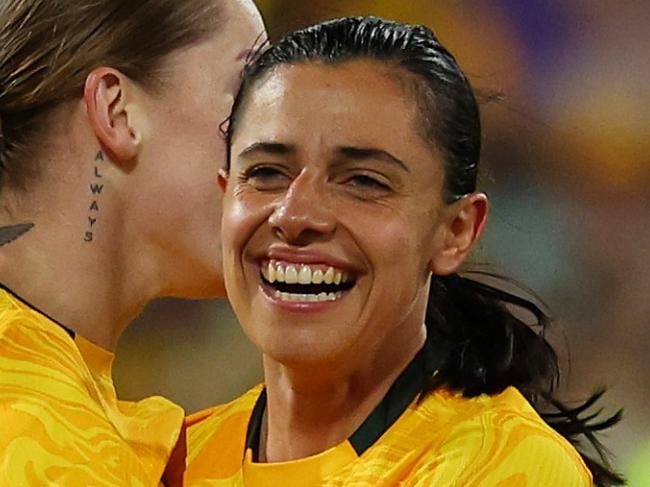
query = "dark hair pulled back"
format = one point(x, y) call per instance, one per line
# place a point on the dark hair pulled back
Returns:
point(472, 317)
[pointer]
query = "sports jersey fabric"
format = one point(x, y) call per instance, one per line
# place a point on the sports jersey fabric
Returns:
point(442, 440)
point(61, 423)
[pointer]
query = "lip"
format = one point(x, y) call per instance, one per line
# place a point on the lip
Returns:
point(298, 256)
point(309, 257)
point(299, 306)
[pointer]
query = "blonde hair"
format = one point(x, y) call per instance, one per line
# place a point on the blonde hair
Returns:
point(48, 48)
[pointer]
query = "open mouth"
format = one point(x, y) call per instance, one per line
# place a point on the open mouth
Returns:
point(304, 282)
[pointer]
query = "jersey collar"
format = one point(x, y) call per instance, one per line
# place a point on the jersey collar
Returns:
point(401, 394)
point(37, 310)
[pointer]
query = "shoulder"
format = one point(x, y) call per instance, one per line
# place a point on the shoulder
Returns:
point(29, 337)
point(39, 363)
point(493, 440)
point(221, 428)
point(53, 428)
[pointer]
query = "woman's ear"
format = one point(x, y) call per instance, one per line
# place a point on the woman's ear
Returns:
point(463, 226)
point(108, 95)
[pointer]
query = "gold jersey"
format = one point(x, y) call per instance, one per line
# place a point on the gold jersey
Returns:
point(61, 423)
point(442, 440)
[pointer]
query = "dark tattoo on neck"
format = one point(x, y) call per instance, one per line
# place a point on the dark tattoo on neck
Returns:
point(96, 188)
point(10, 233)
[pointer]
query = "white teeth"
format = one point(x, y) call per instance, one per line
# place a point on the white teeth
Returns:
point(337, 278)
point(303, 274)
point(304, 298)
point(291, 275)
point(304, 277)
point(328, 278)
point(279, 274)
point(317, 277)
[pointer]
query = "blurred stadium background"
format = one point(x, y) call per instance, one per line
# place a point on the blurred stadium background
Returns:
point(567, 166)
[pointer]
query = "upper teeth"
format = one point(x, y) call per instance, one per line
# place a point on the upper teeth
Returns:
point(302, 274)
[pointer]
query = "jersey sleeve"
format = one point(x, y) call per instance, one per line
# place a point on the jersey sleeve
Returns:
point(504, 451)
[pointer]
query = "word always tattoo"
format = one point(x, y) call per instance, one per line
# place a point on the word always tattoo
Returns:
point(96, 188)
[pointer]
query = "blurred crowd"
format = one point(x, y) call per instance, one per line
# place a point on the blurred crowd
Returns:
point(565, 95)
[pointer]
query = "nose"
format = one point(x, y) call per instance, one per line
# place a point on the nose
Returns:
point(304, 214)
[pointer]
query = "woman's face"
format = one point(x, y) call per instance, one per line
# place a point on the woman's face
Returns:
point(333, 213)
point(178, 200)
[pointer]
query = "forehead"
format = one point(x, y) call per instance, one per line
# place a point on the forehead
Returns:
point(360, 100)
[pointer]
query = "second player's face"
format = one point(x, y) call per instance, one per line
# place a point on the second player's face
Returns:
point(332, 214)
point(179, 204)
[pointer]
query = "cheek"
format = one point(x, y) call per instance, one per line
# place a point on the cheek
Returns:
point(397, 239)
point(244, 217)
point(244, 228)
point(194, 151)
point(398, 246)
point(198, 117)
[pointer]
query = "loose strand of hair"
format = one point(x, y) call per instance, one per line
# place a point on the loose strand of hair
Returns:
point(455, 305)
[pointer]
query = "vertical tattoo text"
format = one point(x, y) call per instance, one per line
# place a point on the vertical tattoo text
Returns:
point(96, 188)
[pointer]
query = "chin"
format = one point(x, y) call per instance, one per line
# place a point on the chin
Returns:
point(304, 352)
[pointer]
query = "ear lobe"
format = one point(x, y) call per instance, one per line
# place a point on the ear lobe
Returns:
point(223, 179)
point(109, 115)
point(462, 230)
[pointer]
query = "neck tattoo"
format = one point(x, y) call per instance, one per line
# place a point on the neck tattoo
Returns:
point(12, 232)
point(96, 188)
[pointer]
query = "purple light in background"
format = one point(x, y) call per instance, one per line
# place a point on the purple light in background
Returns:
point(544, 26)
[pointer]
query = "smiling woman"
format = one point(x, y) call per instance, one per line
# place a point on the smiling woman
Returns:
point(350, 206)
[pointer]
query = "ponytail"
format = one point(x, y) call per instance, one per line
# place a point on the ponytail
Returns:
point(490, 345)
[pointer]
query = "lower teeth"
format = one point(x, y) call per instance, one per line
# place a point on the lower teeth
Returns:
point(322, 297)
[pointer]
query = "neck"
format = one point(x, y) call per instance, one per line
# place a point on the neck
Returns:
point(90, 287)
point(308, 413)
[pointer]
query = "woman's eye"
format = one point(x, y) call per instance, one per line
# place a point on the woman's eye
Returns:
point(266, 178)
point(368, 181)
point(365, 182)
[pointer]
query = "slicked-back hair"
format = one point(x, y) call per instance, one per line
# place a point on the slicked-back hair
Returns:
point(470, 318)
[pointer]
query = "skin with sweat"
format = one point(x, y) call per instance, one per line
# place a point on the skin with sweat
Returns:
point(328, 171)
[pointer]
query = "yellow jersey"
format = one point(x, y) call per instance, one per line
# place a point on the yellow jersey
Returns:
point(442, 439)
point(60, 421)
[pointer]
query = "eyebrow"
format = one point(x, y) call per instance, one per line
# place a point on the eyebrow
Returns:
point(365, 153)
point(275, 148)
point(348, 152)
